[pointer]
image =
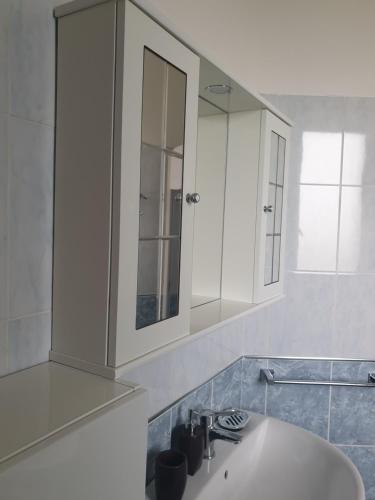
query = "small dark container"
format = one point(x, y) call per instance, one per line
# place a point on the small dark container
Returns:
point(191, 443)
point(170, 475)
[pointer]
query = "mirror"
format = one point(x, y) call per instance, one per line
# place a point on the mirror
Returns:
point(209, 212)
point(161, 180)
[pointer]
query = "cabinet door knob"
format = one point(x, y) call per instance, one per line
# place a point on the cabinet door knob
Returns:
point(267, 208)
point(193, 198)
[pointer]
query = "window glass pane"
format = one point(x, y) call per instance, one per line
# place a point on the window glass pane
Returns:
point(150, 192)
point(154, 85)
point(278, 209)
point(274, 155)
point(276, 259)
point(161, 182)
point(281, 161)
point(172, 196)
point(148, 283)
point(271, 206)
point(176, 109)
point(268, 261)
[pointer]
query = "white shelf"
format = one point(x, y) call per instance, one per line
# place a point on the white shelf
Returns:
point(38, 402)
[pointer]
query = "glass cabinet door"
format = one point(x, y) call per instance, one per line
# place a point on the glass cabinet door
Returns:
point(271, 217)
point(160, 197)
point(157, 115)
point(274, 209)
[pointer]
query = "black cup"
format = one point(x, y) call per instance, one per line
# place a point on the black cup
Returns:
point(170, 475)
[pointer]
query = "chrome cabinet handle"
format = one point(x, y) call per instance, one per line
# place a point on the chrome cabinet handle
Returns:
point(267, 208)
point(193, 198)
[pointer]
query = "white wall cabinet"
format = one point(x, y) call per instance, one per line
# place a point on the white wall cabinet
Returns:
point(271, 208)
point(255, 202)
point(126, 125)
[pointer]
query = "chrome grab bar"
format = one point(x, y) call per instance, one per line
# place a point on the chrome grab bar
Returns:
point(267, 375)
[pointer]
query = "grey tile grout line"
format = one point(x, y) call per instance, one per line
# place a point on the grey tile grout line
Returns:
point(266, 391)
point(29, 120)
point(242, 377)
point(25, 316)
point(354, 445)
point(329, 404)
point(330, 273)
point(335, 288)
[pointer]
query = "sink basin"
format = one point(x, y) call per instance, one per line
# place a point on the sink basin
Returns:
point(275, 461)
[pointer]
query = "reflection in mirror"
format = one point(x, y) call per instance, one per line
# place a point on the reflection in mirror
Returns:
point(161, 182)
point(274, 209)
point(209, 213)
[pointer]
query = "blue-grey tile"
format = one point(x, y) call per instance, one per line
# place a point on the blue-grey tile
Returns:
point(30, 217)
point(253, 395)
point(352, 408)
point(198, 400)
point(29, 341)
point(159, 439)
point(302, 405)
point(227, 388)
point(301, 369)
point(364, 459)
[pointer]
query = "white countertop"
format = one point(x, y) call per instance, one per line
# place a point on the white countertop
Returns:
point(38, 402)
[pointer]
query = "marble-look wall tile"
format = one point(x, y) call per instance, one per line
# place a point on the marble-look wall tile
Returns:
point(364, 459)
point(357, 230)
point(159, 439)
point(309, 312)
point(171, 375)
point(3, 348)
point(226, 392)
point(353, 336)
point(30, 217)
point(4, 62)
point(352, 408)
point(198, 400)
point(306, 406)
point(32, 60)
point(3, 216)
point(268, 324)
point(29, 341)
point(253, 395)
point(359, 142)
point(318, 217)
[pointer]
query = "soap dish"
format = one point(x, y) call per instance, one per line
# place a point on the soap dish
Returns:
point(234, 422)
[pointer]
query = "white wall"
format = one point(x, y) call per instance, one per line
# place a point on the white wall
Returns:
point(279, 47)
point(321, 47)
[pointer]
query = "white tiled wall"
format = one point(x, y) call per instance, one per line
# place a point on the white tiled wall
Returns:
point(330, 243)
point(331, 230)
point(26, 180)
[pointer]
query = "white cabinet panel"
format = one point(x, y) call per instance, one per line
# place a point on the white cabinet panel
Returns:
point(272, 194)
point(127, 107)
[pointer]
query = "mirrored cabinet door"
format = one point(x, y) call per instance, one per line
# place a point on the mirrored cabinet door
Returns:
point(271, 209)
point(160, 197)
point(274, 209)
point(160, 106)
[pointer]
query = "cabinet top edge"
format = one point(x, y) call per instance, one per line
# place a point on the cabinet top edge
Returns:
point(154, 13)
point(75, 6)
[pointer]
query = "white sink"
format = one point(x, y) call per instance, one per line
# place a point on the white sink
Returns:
point(275, 461)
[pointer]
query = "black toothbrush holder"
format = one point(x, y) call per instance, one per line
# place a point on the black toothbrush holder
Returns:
point(170, 475)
